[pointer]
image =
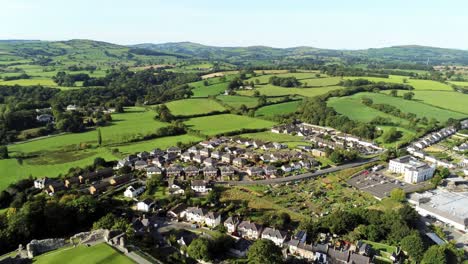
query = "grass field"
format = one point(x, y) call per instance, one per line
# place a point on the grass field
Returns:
point(462, 84)
point(277, 109)
point(271, 90)
point(449, 100)
point(97, 254)
point(161, 143)
point(236, 101)
point(407, 106)
point(218, 124)
point(417, 84)
point(263, 79)
point(194, 107)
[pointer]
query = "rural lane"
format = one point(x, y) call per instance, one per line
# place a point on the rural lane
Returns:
point(301, 176)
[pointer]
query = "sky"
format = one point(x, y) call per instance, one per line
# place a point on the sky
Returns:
point(334, 24)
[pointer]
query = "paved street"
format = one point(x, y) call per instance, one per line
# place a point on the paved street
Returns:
point(302, 176)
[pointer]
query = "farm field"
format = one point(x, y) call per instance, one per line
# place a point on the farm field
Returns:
point(125, 126)
point(417, 84)
point(354, 109)
point(299, 75)
point(449, 100)
point(97, 254)
point(161, 143)
point(235, 101)
point(213, 89)
point(278, 109)
point(218, 124)
point(462, 84)
point(409, 106)
point(194, 107)
point(271, 90)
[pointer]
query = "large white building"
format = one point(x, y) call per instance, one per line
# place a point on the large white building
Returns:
point(414, 171)
point(447, 206)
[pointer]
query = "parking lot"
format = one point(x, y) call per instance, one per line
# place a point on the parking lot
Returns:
point(380, 185)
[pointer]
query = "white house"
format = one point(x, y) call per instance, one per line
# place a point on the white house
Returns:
point(145, 205)
point(131, 192)
point(41, 183)
point(278, 237)
point(231, 224)
point(414, 171)
point(212, 219)
point(247, 229)
point(199, 186)
point(195, 214)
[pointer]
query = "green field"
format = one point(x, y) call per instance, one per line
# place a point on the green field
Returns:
point(449, 100)
point(263, 79)
point(417, 84)
point(218, 124)
point(271, 90)
point(194, 107)
point(407, 106)
point(278, 109)
point(97, 254)
point(236, 101)
point(161, 143)
point(135, 121)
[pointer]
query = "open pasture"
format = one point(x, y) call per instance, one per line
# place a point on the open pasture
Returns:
point(271, 90)
point(417, 84)
point(194, 107)
point(235, 101)
point(277, 109)
point(219, 124)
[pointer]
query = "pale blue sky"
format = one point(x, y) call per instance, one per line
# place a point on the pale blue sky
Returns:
point(324, 24)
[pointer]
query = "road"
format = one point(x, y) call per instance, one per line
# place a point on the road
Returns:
point(301, 176)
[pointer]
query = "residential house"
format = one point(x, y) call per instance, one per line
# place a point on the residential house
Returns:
point(132, 192)
point(216, 154)
point(210, 162)
point(278, 237)
point(158, 161)
point(200, 186)
point(286, 168)
point(146, 205)
point(231, 224)
point(140, 164)
point(69, 182)
point(254, 171)
point(157, 153)
point(238, 151)
point(170, 156)
point(301, 249)
point(45, 118)
point(212, 219)
point(205, 152)
point(226, 158)
point(152, 171)
point(195, 214)
point(96, 175)
point(99, 187)
point(175, 189)
point(270, 170)
point(239, 162)
point(191, 171)
point(174, 150)
point(296, 165)
point(319, 152)
point(41, 183)
point(198, 158)
point(338, 256)
point(249, 230)
point(174, 171)
point(210, 172)
point(186, 156)
point(301, 236)
point(117, 180)
point(177, 212)
point(193, 150)
point(227, 171)
point(143, 155)
point(358, 259)
point(277, 145)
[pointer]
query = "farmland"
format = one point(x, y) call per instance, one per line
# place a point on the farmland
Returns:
point(235, 101)
point(290, 140)
point(188, 107)
point(271, 90)
point(407, 106)
point(218, 124)
point(97, 254)
point(277, 109)
point(417, 84)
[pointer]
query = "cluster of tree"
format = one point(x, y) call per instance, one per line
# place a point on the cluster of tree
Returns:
point(90, 68)
point(210, 249)
point(163, 113)
point(284, 81)
point(16, 77)
point(112, 222)
point(65, 79)
point(339, 70)
point(339, 155)
point(45, 217)
point(316, 111)
point(391, 135)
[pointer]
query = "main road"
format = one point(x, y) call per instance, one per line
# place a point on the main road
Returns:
point(302, 176)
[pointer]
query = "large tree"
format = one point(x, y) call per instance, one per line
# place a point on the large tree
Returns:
point(199, 249)
point(264, 251)
point(434, 255)
point(413, 246)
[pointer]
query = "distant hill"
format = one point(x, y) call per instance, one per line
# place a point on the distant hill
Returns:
point(407, 54)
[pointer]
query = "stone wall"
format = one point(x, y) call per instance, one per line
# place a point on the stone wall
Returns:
point(37, 247)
